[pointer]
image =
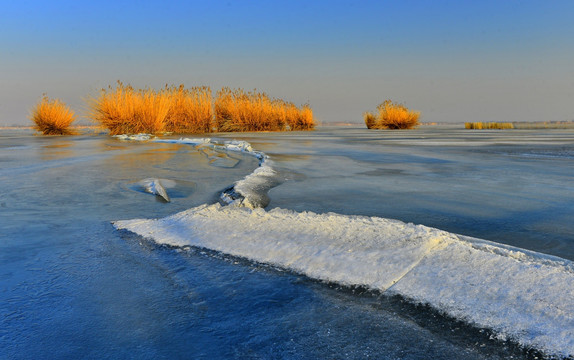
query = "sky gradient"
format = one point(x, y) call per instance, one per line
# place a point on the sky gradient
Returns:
point(455, 61)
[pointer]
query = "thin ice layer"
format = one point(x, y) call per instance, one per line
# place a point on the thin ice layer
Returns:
point(521, 295)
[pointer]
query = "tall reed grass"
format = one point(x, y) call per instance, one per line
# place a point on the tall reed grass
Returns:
point(488, 125)
point(52, 117)
point(124, 109)
point(392, 115)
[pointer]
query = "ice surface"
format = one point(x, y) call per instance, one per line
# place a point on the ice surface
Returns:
point(519, 294)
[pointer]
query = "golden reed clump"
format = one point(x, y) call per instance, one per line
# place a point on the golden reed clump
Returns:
point(124, 109)
point(488, 125)
point(392, 116)
point(52, 117)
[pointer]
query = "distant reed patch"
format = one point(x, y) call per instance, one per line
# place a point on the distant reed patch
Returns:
point(125, 110)
point(52, 117)
point(488, 125)
point(532, 125)
point(391, 115)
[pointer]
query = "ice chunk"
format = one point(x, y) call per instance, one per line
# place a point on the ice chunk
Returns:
point(157, 187)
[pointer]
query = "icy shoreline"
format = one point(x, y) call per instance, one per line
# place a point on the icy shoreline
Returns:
point(249, 192)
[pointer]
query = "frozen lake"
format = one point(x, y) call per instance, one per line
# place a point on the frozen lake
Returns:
point(72, 286)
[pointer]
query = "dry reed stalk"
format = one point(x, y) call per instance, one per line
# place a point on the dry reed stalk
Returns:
point(52, 117)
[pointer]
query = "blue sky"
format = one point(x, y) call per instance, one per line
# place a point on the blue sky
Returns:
point(455, 61)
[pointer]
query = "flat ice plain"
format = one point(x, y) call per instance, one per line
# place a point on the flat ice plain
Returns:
point(360, 229)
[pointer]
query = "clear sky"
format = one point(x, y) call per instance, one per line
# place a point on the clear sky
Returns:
point(454, 61)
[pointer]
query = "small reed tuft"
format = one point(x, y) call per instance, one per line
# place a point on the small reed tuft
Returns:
point(52, 117)
point(392, 116)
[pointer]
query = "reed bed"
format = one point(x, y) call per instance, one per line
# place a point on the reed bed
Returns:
point(488, 125)
point(52, 117)
point(125, 110)
point(392, 115)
